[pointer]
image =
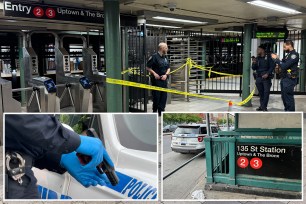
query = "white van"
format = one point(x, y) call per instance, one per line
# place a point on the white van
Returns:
point(190, 138)
point(131, 142)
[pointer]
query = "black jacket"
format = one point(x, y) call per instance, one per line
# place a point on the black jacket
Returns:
point(41, 137)
point(290, 62)
point(264, 65)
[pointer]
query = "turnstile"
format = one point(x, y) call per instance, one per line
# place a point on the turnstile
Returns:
point(50, 100)
point(7, 102)
point(42, 97)
point(97, 78)
point(76, 92)
point(90, 71)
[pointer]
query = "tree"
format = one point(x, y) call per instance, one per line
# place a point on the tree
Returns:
point(174, 118)
point(222, 121)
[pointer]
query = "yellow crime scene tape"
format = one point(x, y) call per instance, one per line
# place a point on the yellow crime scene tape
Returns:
point(131, 70)
point(155, 88)
point(194, 65)
point(190, 64)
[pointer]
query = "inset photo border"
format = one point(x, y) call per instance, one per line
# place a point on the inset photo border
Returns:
point(39, 143)
point(246, 156)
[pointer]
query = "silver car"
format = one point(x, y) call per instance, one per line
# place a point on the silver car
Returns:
point(190, 138)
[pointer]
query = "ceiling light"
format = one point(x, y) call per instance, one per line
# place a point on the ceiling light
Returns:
point(231, 31)
point(163, 26)
point(178, 20)
point(272, 6)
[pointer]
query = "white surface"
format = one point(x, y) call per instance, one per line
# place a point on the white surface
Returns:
point(140, 165)
point(270, 120)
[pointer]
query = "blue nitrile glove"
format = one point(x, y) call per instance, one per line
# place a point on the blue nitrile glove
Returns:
point(92, 147)
point(86, 175)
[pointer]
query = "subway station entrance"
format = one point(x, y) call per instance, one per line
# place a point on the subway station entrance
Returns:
point(262, 158)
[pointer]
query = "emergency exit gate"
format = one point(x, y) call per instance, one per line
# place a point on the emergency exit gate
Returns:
point(230, 159)
point(140, 45)
point(216, 52)
point(221, 53)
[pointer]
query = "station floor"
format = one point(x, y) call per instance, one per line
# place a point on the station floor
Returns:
point(206, 105)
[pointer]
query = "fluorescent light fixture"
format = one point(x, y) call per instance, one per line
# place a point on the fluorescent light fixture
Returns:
point(272, 6)
point(163, 26)
point(231, 31)
point(178, 20)
point(92, 30)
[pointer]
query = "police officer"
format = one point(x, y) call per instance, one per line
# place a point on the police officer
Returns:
point(289, 74)
point(264, 66)
point(159, 68)
point(41, 141)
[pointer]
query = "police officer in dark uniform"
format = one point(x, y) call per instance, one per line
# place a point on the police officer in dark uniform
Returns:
point(289, 74)
point(264, 66)
point(41, 141)
point(159, 68)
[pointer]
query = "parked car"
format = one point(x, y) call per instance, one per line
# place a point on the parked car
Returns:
point(169, 128)
point(190, 138)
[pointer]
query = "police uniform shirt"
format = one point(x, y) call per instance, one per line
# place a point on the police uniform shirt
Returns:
point(41, 137)
point(290, 63)
point(263, 65)
point(159, 64)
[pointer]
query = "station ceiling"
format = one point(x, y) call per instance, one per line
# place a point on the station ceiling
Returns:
point(223, 13)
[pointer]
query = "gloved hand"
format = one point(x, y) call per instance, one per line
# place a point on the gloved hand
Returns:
point(94, 148)
point(86, 175)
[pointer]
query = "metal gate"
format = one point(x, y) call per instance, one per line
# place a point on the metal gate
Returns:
point(224, 55)
point(216, 52)
point(140, 45)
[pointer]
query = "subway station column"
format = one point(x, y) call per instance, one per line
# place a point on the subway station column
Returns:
point(113, 54)
point(21, 46)
point(303, 63)
point(247, 41)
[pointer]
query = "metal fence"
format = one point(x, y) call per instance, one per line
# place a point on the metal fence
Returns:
point(216, 52)
point(141, 44)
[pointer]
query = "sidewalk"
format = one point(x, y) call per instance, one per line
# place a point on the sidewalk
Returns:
point(206, 105)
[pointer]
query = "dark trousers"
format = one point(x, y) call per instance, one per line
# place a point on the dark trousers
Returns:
point(159, 97)
point(263, 86)
point(287, 90)
point(28, 189)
